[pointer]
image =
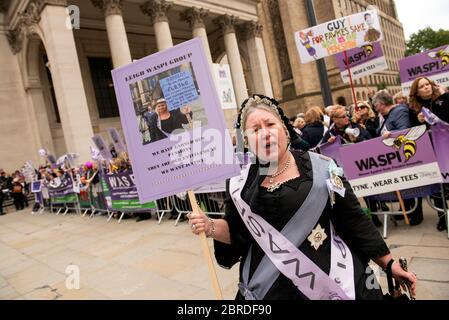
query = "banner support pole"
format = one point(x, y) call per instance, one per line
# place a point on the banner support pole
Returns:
point(446, 211)
point(206, 251)
point(401, 202)
point(351, 83)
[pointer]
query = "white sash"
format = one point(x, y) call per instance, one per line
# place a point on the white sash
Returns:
point(314, 283)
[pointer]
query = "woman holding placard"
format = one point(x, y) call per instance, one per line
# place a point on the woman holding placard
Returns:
point(293, 221)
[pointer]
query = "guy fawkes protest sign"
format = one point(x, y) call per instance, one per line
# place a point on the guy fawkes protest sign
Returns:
point(172, 122)
point(338, 35)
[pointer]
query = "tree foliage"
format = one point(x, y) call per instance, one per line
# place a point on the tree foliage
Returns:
point(426, 39)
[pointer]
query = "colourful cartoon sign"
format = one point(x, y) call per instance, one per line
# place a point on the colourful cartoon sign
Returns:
point(338, 35)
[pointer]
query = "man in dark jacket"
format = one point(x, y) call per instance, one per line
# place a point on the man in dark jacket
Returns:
point(153, 124)
point(396, 117)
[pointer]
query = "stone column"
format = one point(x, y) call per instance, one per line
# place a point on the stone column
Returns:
point(115, 27)
point(157, 10)
point(37, 104)
point(257, 58)
point(305, 76)
point(195, 18)
point(67, 81)
point(227, 24)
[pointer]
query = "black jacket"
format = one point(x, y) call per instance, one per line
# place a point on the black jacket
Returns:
point(440, 107)
point(313, 133)
point(347, 217)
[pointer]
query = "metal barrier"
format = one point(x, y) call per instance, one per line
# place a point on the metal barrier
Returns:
point(65, 205)
point(392, 212)
point(444, 194)
point(95, 202)
point(211, 203)
point(163, 206)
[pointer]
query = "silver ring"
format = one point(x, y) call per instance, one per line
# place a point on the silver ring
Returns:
point(193, 227)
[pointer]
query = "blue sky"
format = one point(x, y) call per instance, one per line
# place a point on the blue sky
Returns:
point(417, 14)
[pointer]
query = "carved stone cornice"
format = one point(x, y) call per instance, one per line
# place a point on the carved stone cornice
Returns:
point(31, 15)
point(194, 17)
point(15, 40)
point(2, 6)
point(109, 7)
point(61, 3)
point(252, 29)
point(156, 9)
point(227, 23)
point(28, 19)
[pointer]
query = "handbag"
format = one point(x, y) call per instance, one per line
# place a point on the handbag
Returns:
point(394, 287)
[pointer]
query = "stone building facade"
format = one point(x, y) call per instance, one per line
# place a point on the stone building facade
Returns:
point(56, 90)
point(297, 85)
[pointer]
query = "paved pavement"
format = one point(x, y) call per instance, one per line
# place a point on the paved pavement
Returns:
point(40, 256)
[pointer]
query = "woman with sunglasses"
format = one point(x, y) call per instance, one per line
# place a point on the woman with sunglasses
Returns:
point(365, 117)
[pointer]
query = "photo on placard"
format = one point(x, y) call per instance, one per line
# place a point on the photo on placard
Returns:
point(167, 103)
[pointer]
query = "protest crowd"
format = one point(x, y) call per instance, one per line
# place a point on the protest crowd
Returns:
point(294, 175)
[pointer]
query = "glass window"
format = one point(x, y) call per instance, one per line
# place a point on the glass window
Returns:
point(100, 71)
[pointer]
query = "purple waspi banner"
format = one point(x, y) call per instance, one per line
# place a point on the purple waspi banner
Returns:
point(431, 63)
point(178, 147)
point(404, 161)
point(440, 137)
point(363, 61)
point(61, 186)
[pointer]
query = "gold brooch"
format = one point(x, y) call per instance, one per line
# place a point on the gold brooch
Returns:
point(317, 237)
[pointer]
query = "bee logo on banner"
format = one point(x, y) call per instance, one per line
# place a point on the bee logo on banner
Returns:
point(442, 55)
point(406, 140)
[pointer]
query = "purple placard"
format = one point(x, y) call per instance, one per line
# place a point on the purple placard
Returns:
point(121, 185)
point(166, 163)
point(431, 63)
point(36, 186)
point(375, 157)
point(61, 186)
point(101, 146)
point(404, 161)
point(359, 56)
point(116, 140)
point(332, 150)
point(440, 137)
point(422, 64)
